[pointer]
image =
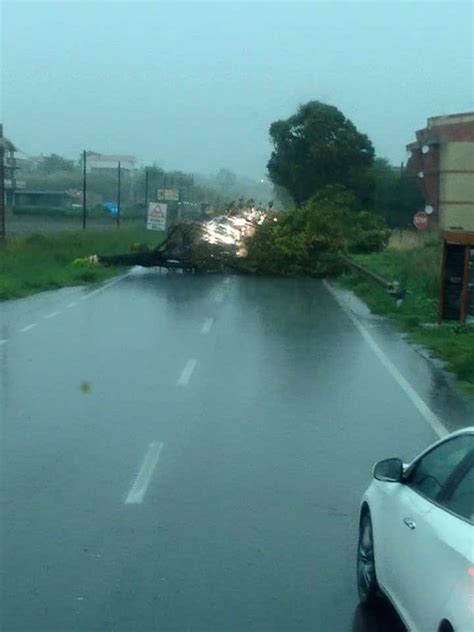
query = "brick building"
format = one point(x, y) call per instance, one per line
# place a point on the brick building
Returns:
point(442, 157)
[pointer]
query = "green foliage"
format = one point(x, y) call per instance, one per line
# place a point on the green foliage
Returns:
point(319, 146)
point(42, 262)
point(395, 198)
point(418, 271)
point(367, 233)
point(310, 239)
point(454, 345)
point(54, 163)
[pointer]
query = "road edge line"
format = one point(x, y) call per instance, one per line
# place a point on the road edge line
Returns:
point(430, 417)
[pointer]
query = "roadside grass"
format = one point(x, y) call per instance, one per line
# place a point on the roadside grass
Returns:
point(455, 346)
point(417, 271)
point(46, 261)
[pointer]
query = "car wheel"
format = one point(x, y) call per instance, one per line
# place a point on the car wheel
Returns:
point(368, 588)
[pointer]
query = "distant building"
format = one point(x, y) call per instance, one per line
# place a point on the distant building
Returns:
point(95, 161)
point(55, 199)
point(442, 157)
point(10, 167)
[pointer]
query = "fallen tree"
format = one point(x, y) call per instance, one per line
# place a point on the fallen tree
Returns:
point(306, 241)
point(184, 248)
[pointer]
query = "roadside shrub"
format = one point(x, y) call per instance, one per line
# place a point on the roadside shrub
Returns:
point(368, 234)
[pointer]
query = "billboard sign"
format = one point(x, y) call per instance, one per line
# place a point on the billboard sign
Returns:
point(167, 194)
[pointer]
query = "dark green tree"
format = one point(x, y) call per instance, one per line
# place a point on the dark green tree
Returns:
point(55, 163)
point(397, 197)
point(319, 146)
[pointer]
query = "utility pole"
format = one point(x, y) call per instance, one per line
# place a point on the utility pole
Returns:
point(84, 190)
point(118, 196)
point(146, 190)
point(2, 187)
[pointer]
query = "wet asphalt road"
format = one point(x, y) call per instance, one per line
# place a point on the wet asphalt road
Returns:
point(254, 410)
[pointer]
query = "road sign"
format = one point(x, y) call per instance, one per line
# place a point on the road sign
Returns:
point(157, 212)
point(167, 194)
point(421, 220)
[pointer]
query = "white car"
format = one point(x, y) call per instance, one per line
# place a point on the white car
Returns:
point(416, 537)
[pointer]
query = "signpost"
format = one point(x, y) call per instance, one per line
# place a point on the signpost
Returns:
point(421, 220)
point(157, 212)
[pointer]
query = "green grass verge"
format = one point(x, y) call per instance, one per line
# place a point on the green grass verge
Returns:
point(44, 262)
point(418, 273)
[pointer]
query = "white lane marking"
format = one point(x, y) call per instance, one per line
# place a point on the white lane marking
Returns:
point(206, 328)
point(3, 342)
point(104, 287)
point(52, 315)
point(28, 327)
point(140, 486)
point(423, 408)
point(186, 373)
point(227, 280)
point(219, 297)
point(73, 304)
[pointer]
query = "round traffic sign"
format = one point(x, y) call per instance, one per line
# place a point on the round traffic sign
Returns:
point(421, 220)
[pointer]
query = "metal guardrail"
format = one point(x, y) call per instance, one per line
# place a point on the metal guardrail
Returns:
point(391, 287)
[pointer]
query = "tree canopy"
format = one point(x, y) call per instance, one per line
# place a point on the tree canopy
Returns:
point(54, 162)
point(396, 197)
point(319, 146)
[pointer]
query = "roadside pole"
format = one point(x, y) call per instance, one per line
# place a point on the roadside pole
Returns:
point(146, 191)
point(84, 190)
point(118, 196)
point(2, 187)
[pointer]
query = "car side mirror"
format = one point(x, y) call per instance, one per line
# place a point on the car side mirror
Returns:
point(389, 471)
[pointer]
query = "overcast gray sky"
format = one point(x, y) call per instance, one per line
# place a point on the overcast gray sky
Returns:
point(195, 85)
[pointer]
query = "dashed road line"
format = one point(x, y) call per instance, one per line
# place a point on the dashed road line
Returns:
point(206, 328)
point(227, 280)
point(219, 297)
point(3, 341)
point(139, 488)
point(73, 304)
point(422, 407)
point(186, 373)
point(52, 315)
point(28, 327)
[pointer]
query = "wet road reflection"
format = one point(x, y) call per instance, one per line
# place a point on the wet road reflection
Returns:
point(250, 518)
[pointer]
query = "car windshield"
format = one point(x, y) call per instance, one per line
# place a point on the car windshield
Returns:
point(236, 271)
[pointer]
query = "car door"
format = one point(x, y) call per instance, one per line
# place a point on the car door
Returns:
point(459, 499)
point(424, 550)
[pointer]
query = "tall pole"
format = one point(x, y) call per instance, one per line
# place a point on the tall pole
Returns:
point(118, 196)
point(402, 187)
point(146, 190)
point(2, 187)
point(84, 190)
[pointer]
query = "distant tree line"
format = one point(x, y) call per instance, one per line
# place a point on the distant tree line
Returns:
point(56, 173)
